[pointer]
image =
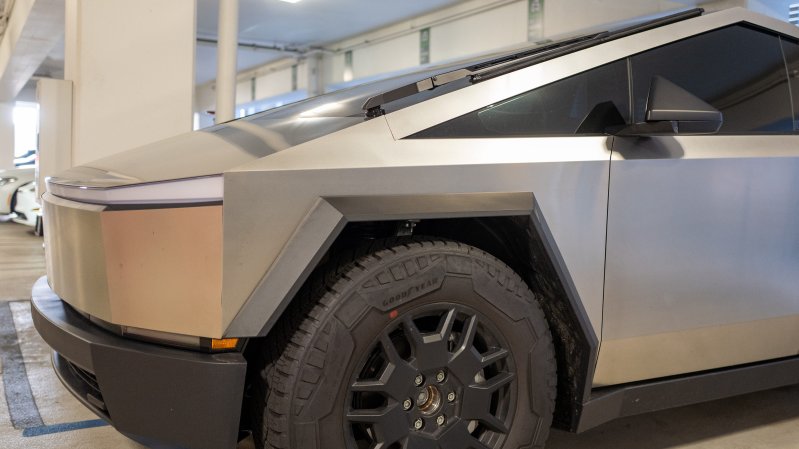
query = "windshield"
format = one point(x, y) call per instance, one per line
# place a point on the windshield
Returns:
point(350, 102)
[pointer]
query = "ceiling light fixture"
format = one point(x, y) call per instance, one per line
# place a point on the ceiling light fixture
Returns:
point(290, 1)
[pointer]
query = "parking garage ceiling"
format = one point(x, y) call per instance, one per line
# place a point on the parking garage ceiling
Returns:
point(303, 24)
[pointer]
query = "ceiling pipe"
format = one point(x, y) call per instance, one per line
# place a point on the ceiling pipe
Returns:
point(254, 46)
point(226, 67)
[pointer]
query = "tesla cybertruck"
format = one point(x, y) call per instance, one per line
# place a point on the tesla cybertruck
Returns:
point(459, 257)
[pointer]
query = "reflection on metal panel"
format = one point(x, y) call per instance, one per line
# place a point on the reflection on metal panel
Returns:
point(165, 268)
point(567, 175)
point(696, 350)
point(158, 269)
point(75, 254)
point(702, 237)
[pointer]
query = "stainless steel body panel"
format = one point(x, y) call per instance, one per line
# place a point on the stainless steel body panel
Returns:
point(327, 218)
point(286, 196)
point(121, 266)
point(702, 257)
point(567, 176)
point(266, 199)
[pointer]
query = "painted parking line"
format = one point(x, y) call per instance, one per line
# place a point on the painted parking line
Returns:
point(21, 405)
point(65, 427)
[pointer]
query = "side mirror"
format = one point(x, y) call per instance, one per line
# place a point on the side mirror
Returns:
point(671, 110)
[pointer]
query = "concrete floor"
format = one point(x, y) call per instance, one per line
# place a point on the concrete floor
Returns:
point(45, 415)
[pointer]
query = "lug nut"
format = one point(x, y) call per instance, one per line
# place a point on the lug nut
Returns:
point(418, 424)
point(440, 376)
point(441, 420)
point(451, 396)
point(418, 380)
point(407, 404)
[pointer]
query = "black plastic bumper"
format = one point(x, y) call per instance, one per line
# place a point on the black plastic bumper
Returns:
point(159, 396)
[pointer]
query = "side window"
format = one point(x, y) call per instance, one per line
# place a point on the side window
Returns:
point(738, 70)
point(586, 103)
point(791, 50)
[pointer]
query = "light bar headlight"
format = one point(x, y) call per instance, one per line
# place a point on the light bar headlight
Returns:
point(204, 344)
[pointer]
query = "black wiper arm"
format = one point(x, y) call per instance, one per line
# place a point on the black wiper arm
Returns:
point(372, 105)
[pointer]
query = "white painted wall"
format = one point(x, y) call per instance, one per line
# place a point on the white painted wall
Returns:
point(497, 28)
point(388, 56)
point(132, 68)
point(55, 128)
point(275, 83)
point(6, 136)
point(244, 91)
point(774, 8)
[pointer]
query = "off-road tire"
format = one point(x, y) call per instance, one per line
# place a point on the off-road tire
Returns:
point(301, 394)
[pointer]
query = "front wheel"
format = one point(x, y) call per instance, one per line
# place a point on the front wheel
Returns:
point(422, 344)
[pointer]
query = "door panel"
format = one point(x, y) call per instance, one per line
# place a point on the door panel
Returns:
point(702, 263)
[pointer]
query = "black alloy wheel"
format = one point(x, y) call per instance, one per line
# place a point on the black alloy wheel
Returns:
point(413, 343)
point(437, 377)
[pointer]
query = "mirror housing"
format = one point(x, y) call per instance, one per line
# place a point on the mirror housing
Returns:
point(672, 110)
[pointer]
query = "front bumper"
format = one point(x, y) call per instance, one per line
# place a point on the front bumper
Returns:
point(156, 395)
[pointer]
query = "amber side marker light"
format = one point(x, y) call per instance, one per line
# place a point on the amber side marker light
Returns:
point(224, 343)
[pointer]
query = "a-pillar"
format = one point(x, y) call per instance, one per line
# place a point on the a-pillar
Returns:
point(131, 64)
point(6, 136)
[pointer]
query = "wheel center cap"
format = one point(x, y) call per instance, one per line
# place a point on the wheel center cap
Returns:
point(429, 400)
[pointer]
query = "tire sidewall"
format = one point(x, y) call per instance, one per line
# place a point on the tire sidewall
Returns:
point(361, 309)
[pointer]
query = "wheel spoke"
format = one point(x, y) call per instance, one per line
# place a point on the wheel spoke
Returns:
point(446, 323)
point(412, 332)
point(419, 441)
point(372, 415)
point(493, 356)
point(458, 437)
point(389, 423)
point(469, 332)
point(495, 383)
point(430, 350)
point(390, 350)
point(394, 379)
point(477, 402)
point(493, 423)
point(369, 386)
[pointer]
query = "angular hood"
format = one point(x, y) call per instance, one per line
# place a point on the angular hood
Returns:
point(212, 151)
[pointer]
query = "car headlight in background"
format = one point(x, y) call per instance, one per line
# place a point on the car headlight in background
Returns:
point(7, 180)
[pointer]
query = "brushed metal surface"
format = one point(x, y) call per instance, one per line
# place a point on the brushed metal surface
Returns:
point(730, 260)
point(328, 217)
point(164, 268)
point(702, 257)
point(158, 269)
point(567, 175)
point(75, 255)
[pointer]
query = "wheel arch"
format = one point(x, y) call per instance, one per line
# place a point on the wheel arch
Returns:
point(508, 226)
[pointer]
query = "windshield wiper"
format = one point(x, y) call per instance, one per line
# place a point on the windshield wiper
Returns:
point(499, 66)
point(372, 105)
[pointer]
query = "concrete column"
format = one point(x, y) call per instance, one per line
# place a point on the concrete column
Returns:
point(6, 136)
point(55, 128)
point(226, 52)
point(316, 79)
point(132, 68)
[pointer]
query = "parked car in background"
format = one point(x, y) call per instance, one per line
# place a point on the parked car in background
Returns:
point(456, 258)
point(10, 181)
point(26, 160)
point(25, 205)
